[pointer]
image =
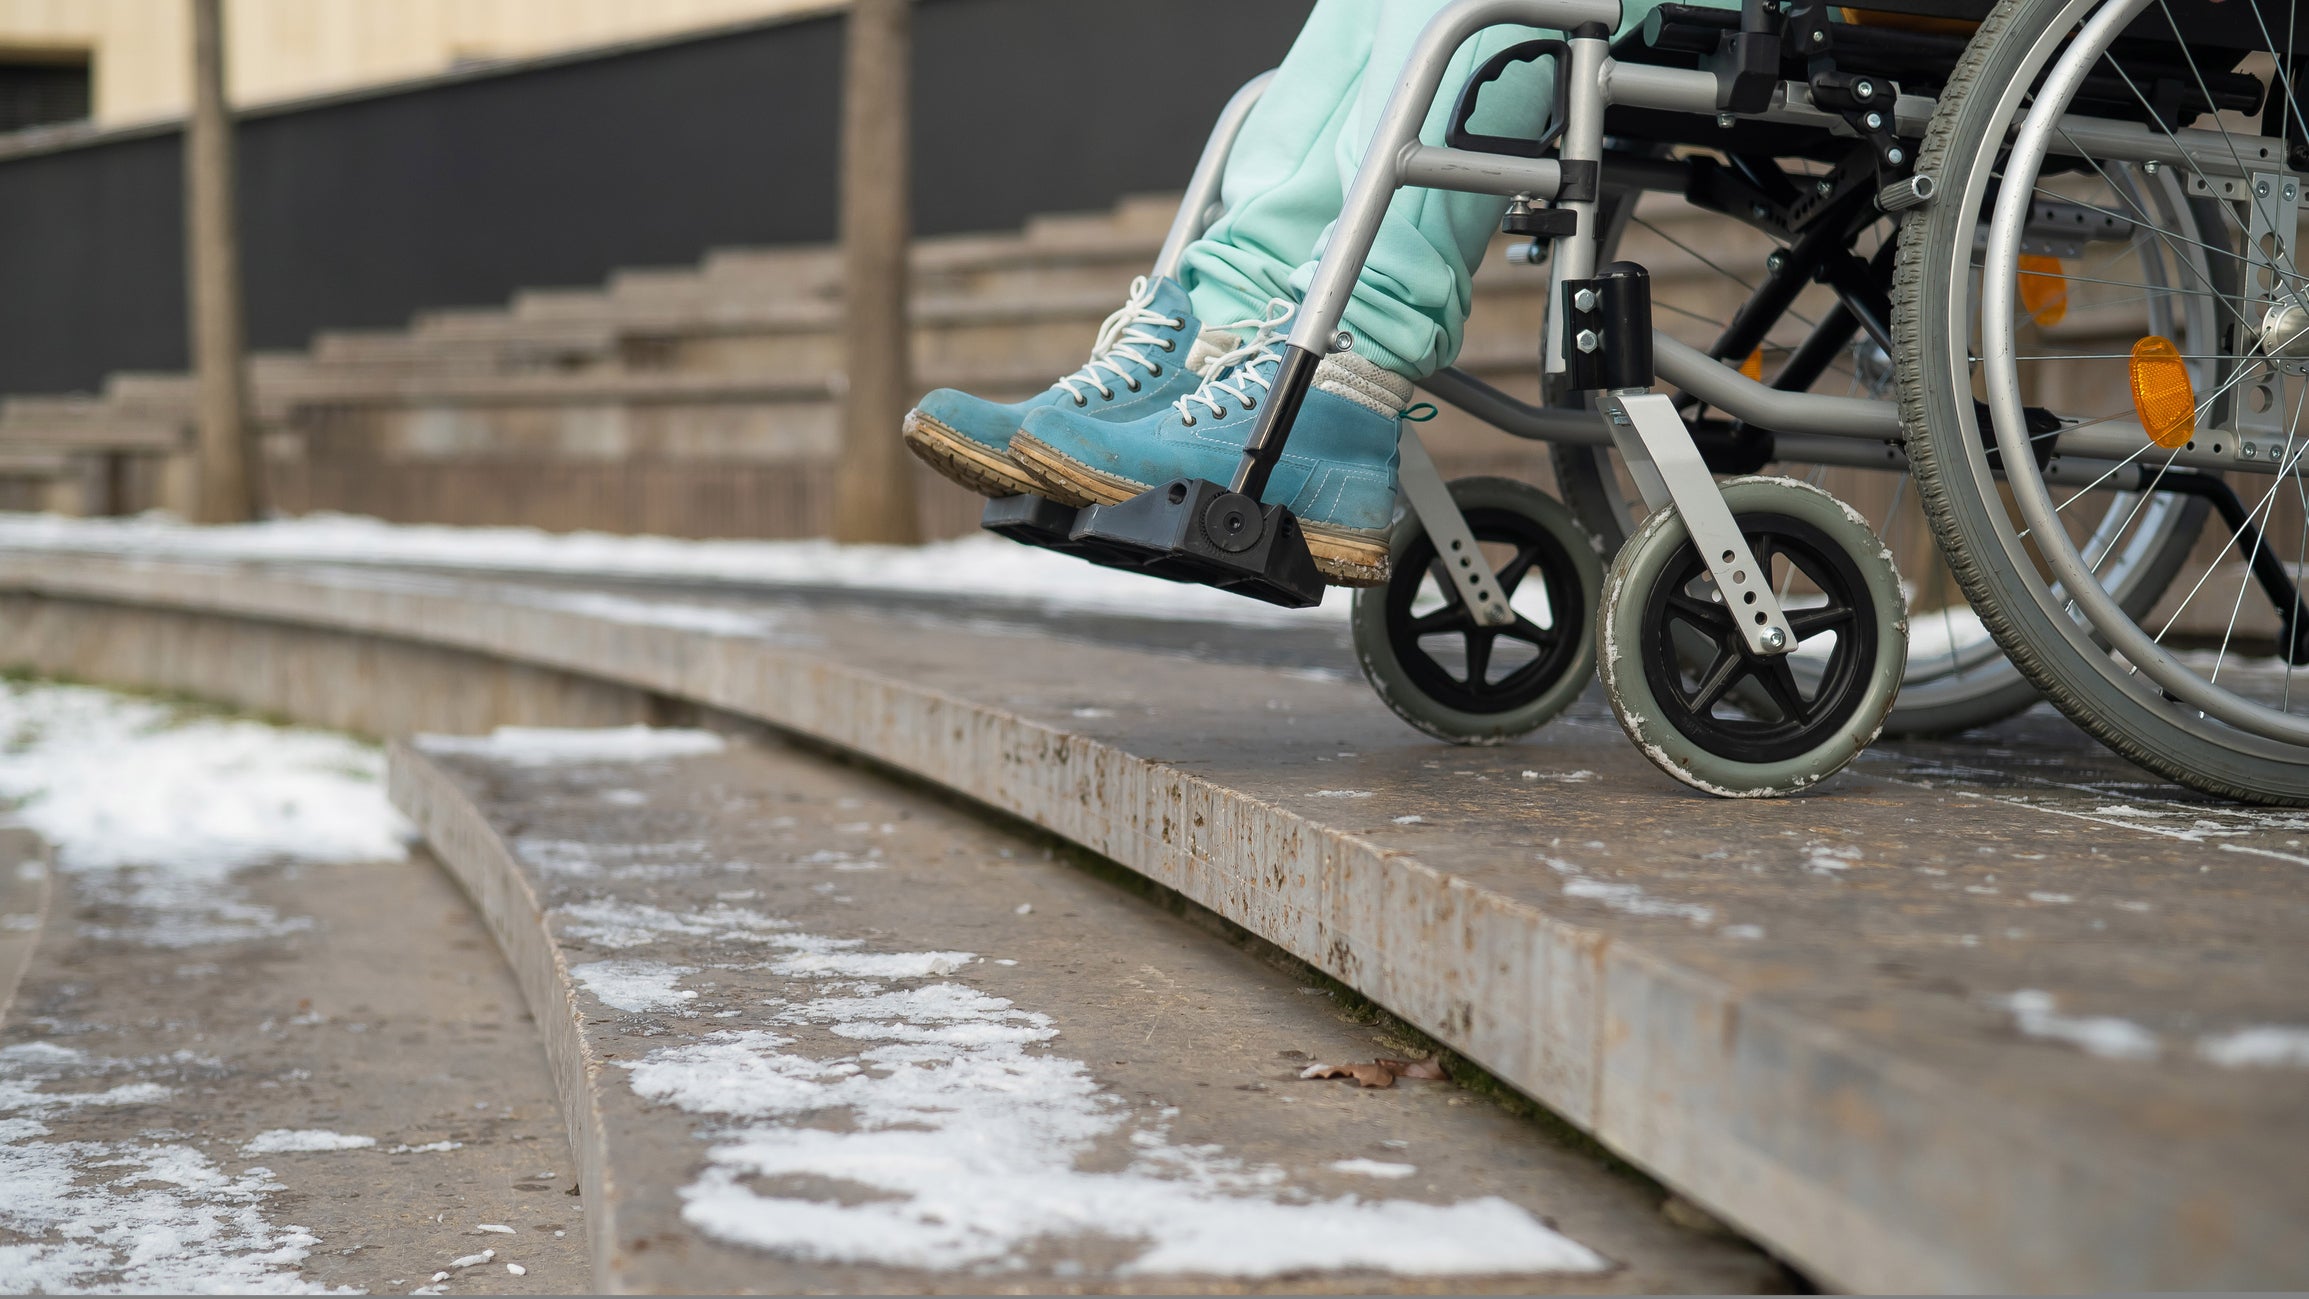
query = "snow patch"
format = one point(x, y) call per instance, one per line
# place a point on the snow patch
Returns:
point(2036, 1014)
point(553, 746)
point(962, 1134)
point(146, 1216)
point(971, 568)
point(2262, 1045)
point(281, 1141)
point(1373, 1168)
point(612, 923)
point(872, 965)
point(635, 986)
point(155, 811)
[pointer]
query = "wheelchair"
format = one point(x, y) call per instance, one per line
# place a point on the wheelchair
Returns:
point(2031, 297)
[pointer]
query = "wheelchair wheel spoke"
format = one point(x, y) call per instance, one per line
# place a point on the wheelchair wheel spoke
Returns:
point(1807, 623)
point(1451, 617)
point(1717, 681)
point(1479, 657)
point(1704, 614)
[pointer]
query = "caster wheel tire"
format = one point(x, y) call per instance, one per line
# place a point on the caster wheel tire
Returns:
point(1734, 723)
point(1423, 652)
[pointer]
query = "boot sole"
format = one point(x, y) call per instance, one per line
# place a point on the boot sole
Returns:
point(963, 460)
point(1343, 558)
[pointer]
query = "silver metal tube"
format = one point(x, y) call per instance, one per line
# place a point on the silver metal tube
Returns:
point(1428, 167)
point(1377, 179)
point(1582, 141)
point(1728, 390)
point(1210, 171)
point(1677, 90)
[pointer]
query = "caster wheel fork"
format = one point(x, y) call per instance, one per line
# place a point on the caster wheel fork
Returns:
point(1719, 717)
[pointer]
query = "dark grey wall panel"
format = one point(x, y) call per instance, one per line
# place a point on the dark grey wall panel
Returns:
point(361, 211)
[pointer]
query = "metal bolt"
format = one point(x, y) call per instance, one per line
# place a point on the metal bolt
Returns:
point(2246, 450)
point(1588, 340)
point(1773, 638)
point(2262, 189)
point(1819, 36)
point(1875, 121)
point(1822, 188)
point(1894, 156)
point(1725, 120)
point(1584, 300)
point(1864, 88)
point(1343, 341)
point(1778, 259)
point(2150, 166)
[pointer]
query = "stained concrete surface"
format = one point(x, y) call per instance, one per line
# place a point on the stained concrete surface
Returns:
point(380, 1008)
point(1999, 1012)
point(704, 864)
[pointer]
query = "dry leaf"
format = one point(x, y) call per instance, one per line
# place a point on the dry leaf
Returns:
point(1378, 1073)
point(1428, 1068)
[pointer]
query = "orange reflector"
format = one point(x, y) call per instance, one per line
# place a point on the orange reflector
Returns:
point(1753, 367)
point(2162, 394)
point(2043, 290)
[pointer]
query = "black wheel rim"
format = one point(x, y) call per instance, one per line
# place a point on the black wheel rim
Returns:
point(1480, 678)
point(1775, 718)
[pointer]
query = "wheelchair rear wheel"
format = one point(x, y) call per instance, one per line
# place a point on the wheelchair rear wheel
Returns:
point(2189, 688)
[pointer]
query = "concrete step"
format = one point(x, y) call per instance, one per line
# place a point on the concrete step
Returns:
point(1998, 1014)
point(324, 1004)
point(889, 984)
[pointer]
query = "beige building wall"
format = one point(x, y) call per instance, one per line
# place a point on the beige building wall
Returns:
point(284, 49)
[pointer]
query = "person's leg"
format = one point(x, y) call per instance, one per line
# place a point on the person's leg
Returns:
point(1281, 188)
point(1410, 305)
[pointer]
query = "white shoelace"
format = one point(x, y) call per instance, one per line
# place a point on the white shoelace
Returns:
point(1122, 336)
point(1230, 373)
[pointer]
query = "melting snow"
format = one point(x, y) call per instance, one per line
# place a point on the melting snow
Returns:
point(2102, 1035)
point(635, 986)
point(142, 1215)
point(288, 1140)
point(1373, 1168)
point(977, 566)
point(962, 1134)
point(2266, 1044)
point(550, 746)
point(155, 811)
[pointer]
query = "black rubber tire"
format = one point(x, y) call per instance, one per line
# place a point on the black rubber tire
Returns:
point(1493, 507)
point(1930, 316)
point(1655, 551)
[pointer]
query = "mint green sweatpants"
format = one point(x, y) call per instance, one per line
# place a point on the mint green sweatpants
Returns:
point(1289, 173)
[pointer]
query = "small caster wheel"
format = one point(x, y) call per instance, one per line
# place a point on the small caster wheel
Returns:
point(1422, 650)
point(1738, 724)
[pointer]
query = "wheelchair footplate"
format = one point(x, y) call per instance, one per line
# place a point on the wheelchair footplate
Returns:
point(1190, 530)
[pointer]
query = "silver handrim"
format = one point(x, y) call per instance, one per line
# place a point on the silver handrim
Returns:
point(2163, 655)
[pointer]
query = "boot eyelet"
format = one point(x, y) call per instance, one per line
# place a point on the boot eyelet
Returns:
point(1178, 322)
point(1250, 403)
point(1154, 370)
point(1170, 345)
point(1187, 420)
point(1082, 401)
point(1132, 384)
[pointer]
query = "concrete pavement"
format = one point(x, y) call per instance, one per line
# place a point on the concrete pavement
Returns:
point(1989, 1014)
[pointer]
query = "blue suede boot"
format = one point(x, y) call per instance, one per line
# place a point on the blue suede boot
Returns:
point(1140, 363)
point(1337, 473)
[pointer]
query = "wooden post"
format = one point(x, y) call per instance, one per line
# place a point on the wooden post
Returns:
point(230, 471)
point(874, 481)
